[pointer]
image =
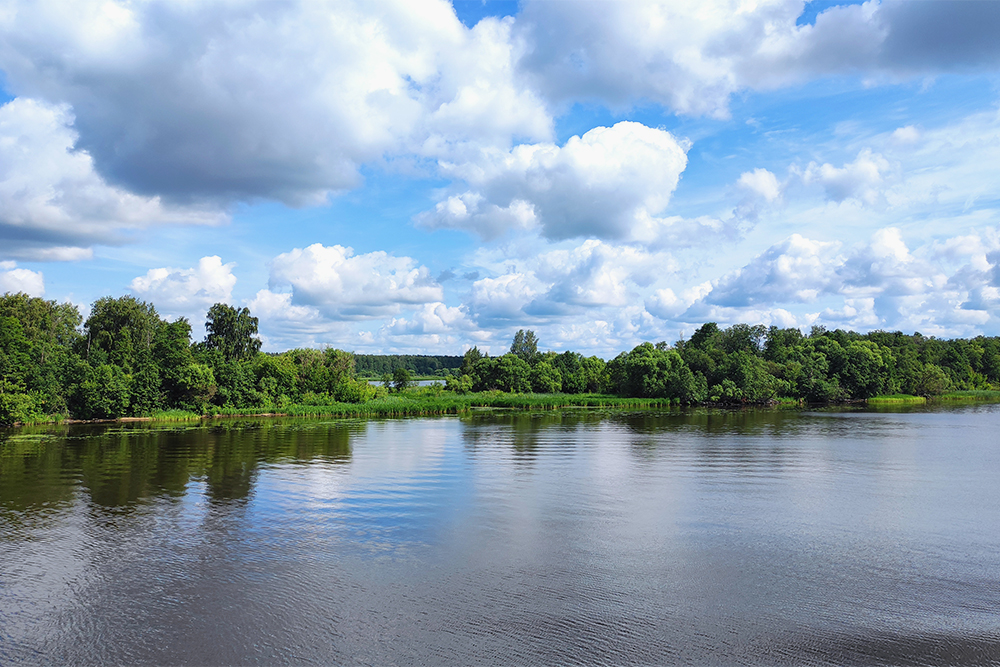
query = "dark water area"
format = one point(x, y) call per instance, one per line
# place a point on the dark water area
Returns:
point(575, 537)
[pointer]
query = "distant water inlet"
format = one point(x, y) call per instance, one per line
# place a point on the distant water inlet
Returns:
point(413, 383)
point(575, 537)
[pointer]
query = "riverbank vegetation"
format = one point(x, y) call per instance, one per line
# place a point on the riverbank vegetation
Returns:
point(897, 399)
point(126, 361)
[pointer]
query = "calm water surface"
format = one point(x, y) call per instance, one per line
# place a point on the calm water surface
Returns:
point(580, 537)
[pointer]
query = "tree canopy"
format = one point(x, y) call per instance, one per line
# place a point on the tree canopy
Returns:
point(232, 331)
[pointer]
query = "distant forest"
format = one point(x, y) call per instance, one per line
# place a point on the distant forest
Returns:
point(377, 365)
point(125, 360)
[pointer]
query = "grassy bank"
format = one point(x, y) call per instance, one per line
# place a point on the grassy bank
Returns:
point(897, 399)
point(412, 402)
point(425, 401)
point(418, 403)
point(973, 395)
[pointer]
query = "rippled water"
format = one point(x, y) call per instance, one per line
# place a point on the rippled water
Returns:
point(581, 537)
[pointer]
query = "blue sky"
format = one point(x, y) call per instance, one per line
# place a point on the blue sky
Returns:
point(424, 176)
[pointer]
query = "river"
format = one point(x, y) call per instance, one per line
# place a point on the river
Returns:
point(573, 537)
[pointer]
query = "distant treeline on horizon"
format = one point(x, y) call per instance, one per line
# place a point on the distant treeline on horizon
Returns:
point(377, 365)
point(126, 361)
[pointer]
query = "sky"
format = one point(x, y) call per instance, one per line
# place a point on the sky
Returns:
point(419, 176)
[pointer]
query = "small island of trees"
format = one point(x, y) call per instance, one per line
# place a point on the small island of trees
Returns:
point(127, 361)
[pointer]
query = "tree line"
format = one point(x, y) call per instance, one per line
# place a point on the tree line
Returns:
point(377, 365)
point(125, 360)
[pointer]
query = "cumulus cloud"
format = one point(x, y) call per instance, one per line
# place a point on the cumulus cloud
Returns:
point(589, 278)
point(600, 297)
point(224, 101)
point(376, 301)
point(885, 266)
point(761, 183)
point(431, 318)
point(503, 297)
point(666, 304)
point(471, 212)
point(216, 102)
point(345, 286)
point(272, 306)
point(53, 204)
point(795, 270)
point(625, 52)
point(284, 325)
point(610, 183)
point(187, 291)
point(864, 179)
point(432, 326)
point(13, 280)
point(880, 283)
point(692, 56)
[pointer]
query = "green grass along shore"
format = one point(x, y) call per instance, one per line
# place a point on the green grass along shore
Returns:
point(407, 404)
point(416, 403)
point(985, 395)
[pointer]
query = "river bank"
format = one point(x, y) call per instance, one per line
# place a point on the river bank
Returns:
point(422, 402)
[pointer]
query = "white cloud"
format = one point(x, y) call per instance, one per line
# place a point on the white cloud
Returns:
point(241, 100)
point(880, 283)
point(885, 266)
point(53, 205)
point(598, 297)
point(470, 212)
point(609, 183)
point(431, 318)
point(795, 270)
point(187, 291)
point(692, 56)
point(269, 306)
point(503, 297)
point(345, 286)
point(666, 304)
point(906, 135)
point(762, 183)
point(431, 328)
point(383, 303)
point(863, 180)
point(592, 279)
point(13, 280)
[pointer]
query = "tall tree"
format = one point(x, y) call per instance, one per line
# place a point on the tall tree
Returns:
point(43, 321)
point(525, 345)
point(232, 331)
point(120, 331)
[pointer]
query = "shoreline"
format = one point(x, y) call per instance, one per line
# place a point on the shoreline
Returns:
point(423, 406)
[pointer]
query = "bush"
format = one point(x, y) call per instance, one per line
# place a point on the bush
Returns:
point(18, 405)
point(104, 394)
point(459, 385)
point(353, 391)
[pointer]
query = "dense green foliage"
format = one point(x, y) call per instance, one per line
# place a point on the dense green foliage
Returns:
point(377, 365)
point(125, 360)
point(754, 364)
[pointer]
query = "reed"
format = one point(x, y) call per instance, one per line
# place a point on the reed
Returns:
point(971, 395)
point(421, 403)
point(897, 399)
point(174, 416)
